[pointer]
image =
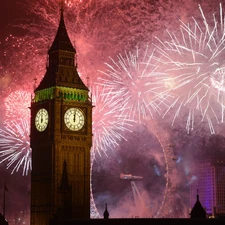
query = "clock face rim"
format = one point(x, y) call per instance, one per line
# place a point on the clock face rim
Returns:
point(69, 117)
point(37, 121)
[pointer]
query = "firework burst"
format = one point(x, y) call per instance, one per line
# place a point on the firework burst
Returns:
point(191, 61)
point(14, 136)
point(15, 146)
point(126, 79)
point(108, 122)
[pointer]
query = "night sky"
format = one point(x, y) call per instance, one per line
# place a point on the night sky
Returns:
point(103, 32)
point(11, 13)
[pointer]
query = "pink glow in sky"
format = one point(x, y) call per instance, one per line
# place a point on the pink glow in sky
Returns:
point(101, 31)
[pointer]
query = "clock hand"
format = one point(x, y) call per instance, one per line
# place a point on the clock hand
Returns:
point(74, 116)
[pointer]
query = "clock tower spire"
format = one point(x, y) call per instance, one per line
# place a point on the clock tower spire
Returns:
point(61, 131)
point(62, 63)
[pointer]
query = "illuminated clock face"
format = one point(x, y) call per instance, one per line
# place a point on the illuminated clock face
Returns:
point(41, 119)
point(74, 119)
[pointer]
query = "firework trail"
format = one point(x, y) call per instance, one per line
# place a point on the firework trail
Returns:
point(192, 61)
point(108, 122)
point(127, 79)
point(15, 146)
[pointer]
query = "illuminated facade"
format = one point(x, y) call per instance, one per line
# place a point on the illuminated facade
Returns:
point(210, 184)
point(61, 138)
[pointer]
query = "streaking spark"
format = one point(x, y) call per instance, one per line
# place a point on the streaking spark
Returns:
point(126, 79)
point(15, 148)
point(108, 124)
point(191, 59)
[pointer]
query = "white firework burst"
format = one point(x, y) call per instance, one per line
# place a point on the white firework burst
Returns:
point(15, 148)
point(128, 78)
point(109, 124)
point(191, 60)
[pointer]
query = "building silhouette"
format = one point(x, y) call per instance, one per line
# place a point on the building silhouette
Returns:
point(198, 211)
point(211, 185)
point(3, 221)
point(106, 213)
point(61, 138)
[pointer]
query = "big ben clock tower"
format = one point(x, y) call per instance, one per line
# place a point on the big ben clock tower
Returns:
point(61, 138)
